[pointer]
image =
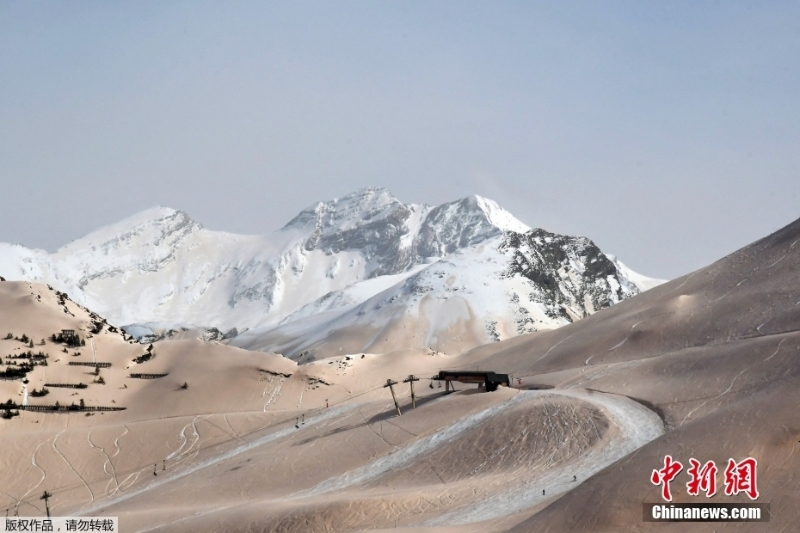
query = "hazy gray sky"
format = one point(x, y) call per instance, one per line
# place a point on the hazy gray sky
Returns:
point(668, 132)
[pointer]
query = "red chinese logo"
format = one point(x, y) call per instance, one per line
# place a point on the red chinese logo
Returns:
point(665, 475)
point(739, 477)
point(704, 478)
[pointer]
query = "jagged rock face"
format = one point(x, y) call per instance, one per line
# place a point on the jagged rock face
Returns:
point(378, 238)
point(569, 276)
point(394, 237)
point(461, 224)
point(162, 267)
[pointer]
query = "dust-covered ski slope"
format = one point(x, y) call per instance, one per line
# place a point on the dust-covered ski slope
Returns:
point(634, 426)
point(260, 441)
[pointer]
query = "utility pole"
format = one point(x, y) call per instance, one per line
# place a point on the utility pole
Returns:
point(46, 496)
point(411, 379)
point(389, 384)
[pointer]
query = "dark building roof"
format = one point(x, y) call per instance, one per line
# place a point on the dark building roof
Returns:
point(491, 379)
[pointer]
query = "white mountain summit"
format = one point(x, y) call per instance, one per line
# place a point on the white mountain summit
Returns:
point(360, 273)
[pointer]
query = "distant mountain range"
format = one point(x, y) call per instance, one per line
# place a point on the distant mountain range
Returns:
point(360, 273)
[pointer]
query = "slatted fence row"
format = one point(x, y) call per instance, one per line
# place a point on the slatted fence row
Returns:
point(67, 385)
point(61, 408)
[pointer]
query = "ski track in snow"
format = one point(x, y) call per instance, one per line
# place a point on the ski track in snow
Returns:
point(618, 345)
point(116, 441)
point(225, 416)
point(777, 349)
point(684, 282)
point(726, 391)
point(553, 346)
point(180, 455)
point(13, 500)
point(637, 424)
point(44, 475)
point(776, 262)
point(276, 391)
point(310, 422)
point(106, 464)
point(55, 448)
point(626, 338)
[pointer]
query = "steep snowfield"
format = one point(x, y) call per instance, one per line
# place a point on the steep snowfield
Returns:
point(460, 274)
point(478, 294)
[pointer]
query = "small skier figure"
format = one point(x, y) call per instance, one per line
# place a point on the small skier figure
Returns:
point(542, 492)
point(574, 478)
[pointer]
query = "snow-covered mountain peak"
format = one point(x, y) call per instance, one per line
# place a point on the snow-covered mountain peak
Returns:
point(497, 216)
point(346, 213)
point(151, 226)
point(462, 223)
point(468, 258)
point(397, 236)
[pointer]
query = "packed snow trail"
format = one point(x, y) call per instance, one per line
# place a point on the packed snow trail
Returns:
point(55, 448)
point(180, 455)
point(637, 425)
point(404, 455)
point(44, 476)
point(106, 463)
point(310, 422)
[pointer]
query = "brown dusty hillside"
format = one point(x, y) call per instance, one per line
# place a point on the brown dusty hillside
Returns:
point(716, 353)
point(705, 366)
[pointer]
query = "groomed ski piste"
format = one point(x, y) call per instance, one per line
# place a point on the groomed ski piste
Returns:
point(630, 425)
point(637, 426)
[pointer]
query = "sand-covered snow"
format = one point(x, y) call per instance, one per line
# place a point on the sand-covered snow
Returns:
point(705, 367)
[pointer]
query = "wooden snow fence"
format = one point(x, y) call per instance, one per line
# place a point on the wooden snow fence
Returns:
point(67, 385)
point(45, 408)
